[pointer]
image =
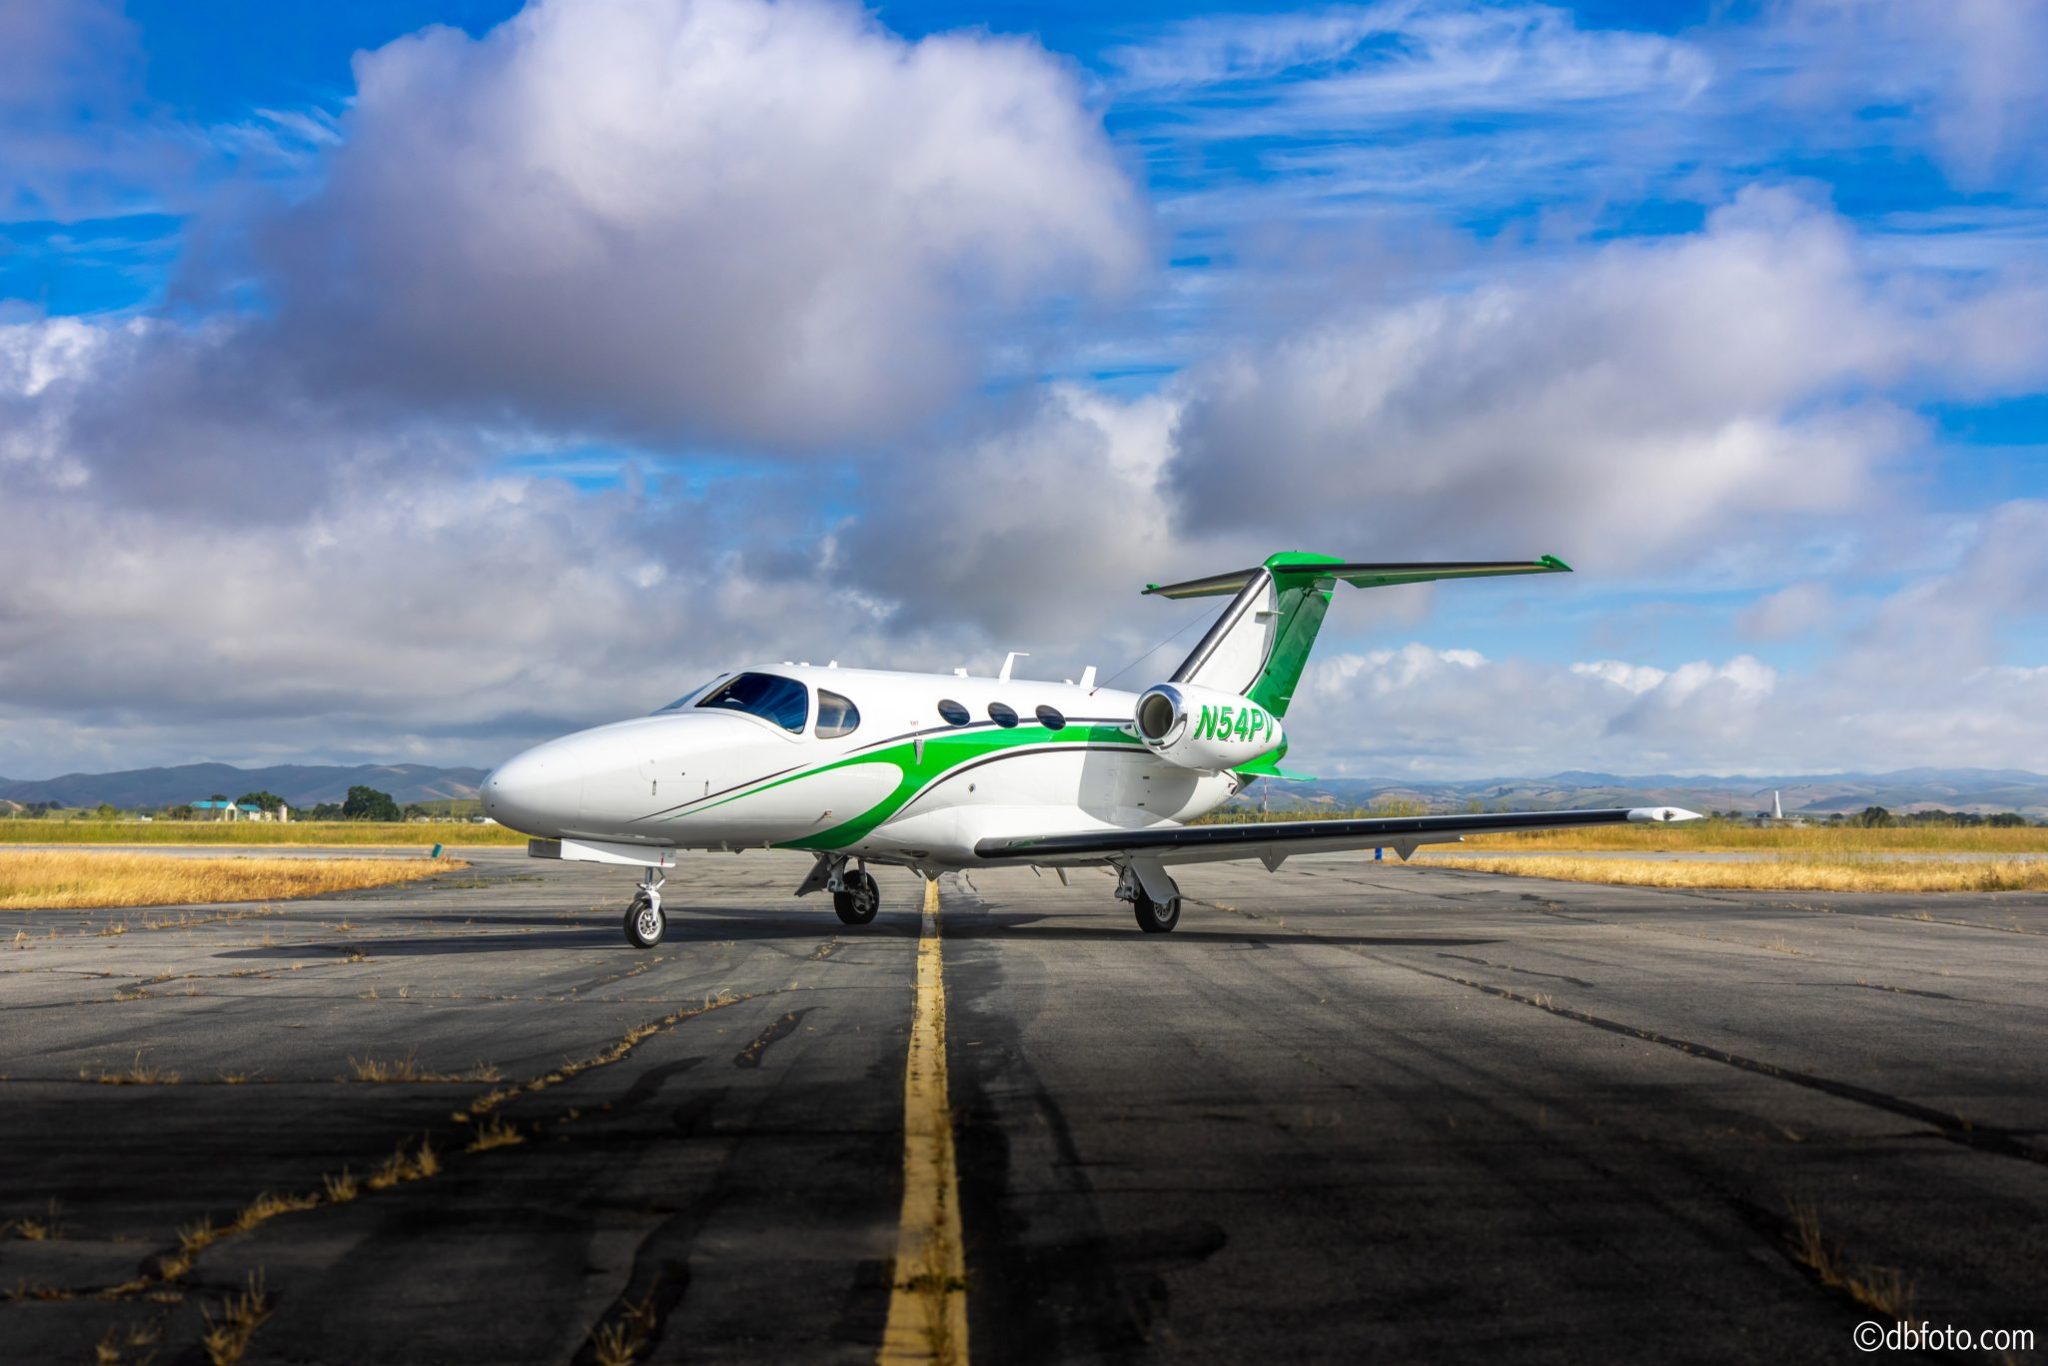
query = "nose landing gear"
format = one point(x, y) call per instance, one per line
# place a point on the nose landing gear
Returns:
point(645, 923)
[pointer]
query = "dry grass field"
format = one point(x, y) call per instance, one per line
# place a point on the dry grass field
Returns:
point(33, 880)
point(1792, 872)
point(341, 833)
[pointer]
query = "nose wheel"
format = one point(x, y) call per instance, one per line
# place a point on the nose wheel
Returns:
point(645, 923)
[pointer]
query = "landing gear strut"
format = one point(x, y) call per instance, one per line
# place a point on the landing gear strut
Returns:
point(645, 922)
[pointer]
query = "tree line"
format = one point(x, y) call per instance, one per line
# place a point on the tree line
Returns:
point(362, 803)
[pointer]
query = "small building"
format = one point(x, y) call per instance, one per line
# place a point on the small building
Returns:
point(238, 811)
point(225, 811)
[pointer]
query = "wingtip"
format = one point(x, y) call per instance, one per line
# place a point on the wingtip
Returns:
point(1653, 815)
point(1554, 563)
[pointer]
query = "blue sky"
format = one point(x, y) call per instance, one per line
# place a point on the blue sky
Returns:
point(506, 374)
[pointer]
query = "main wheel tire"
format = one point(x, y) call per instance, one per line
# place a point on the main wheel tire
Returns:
point(1156, 917)
point(861, 899)
point(645, 923)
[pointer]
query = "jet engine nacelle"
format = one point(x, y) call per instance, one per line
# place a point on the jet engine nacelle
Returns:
point(1203, 728)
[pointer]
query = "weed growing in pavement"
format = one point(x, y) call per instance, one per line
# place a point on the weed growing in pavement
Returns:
point(620, 1342)
point(239, 1316)
point(36, 1230)
point(402, 1166)
point(494, 1132)
point(139, 1073)
point(266, 1207)
point(1881, 1288)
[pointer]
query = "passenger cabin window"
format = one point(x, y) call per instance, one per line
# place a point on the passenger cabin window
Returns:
point(837, 715)
point(1050, 718)
point(955, 714)
point(769, 696)
point(1002, 715)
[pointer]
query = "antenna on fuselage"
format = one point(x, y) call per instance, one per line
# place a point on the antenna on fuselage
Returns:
point(1009, 660)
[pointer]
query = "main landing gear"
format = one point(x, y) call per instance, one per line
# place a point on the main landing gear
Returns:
point(858, 898)
point(1153, 896)
point(1156, 917)
point(645, 923)
point(855, 898)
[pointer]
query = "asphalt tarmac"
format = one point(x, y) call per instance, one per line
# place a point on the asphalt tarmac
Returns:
point(1347, 1111)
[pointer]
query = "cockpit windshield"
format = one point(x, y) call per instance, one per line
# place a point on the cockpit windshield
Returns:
point(691, 696)
point(784, 701)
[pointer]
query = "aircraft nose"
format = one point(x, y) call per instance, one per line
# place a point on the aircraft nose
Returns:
point(537, 792)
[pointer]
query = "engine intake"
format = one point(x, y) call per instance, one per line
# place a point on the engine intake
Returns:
point(1202, 728)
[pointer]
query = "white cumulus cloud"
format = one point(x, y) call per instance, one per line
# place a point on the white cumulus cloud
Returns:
point(728, 218)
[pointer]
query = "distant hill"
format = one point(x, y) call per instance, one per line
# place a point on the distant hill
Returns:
point(1979, 790)
point(299, 784)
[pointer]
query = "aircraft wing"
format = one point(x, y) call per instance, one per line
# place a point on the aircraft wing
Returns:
point(1271, 841)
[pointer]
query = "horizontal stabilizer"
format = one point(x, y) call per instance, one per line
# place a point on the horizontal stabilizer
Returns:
point(1361, 575)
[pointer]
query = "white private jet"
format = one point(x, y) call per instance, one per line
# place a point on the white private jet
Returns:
point(936, 772)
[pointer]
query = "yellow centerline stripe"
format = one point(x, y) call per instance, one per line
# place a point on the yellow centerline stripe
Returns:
point(928, 1304)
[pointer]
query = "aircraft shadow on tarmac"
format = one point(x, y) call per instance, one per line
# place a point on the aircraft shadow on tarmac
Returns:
point(599, 932)
point(690, 925)
point(1025, 928)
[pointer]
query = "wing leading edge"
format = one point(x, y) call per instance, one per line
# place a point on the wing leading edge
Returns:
point(1272, 840)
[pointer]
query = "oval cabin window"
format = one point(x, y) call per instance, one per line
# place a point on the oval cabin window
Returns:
point(1002, 715)
point(837, 715)
point(955, 714)
point(1050, 718)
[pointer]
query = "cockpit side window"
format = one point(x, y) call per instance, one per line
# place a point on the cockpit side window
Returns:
point(771, 697)
point(837, 715)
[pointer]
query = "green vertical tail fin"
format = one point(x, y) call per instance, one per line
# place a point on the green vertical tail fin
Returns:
point(1259, 644)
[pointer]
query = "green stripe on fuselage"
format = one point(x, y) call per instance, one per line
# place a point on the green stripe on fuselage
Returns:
point(944, 751)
